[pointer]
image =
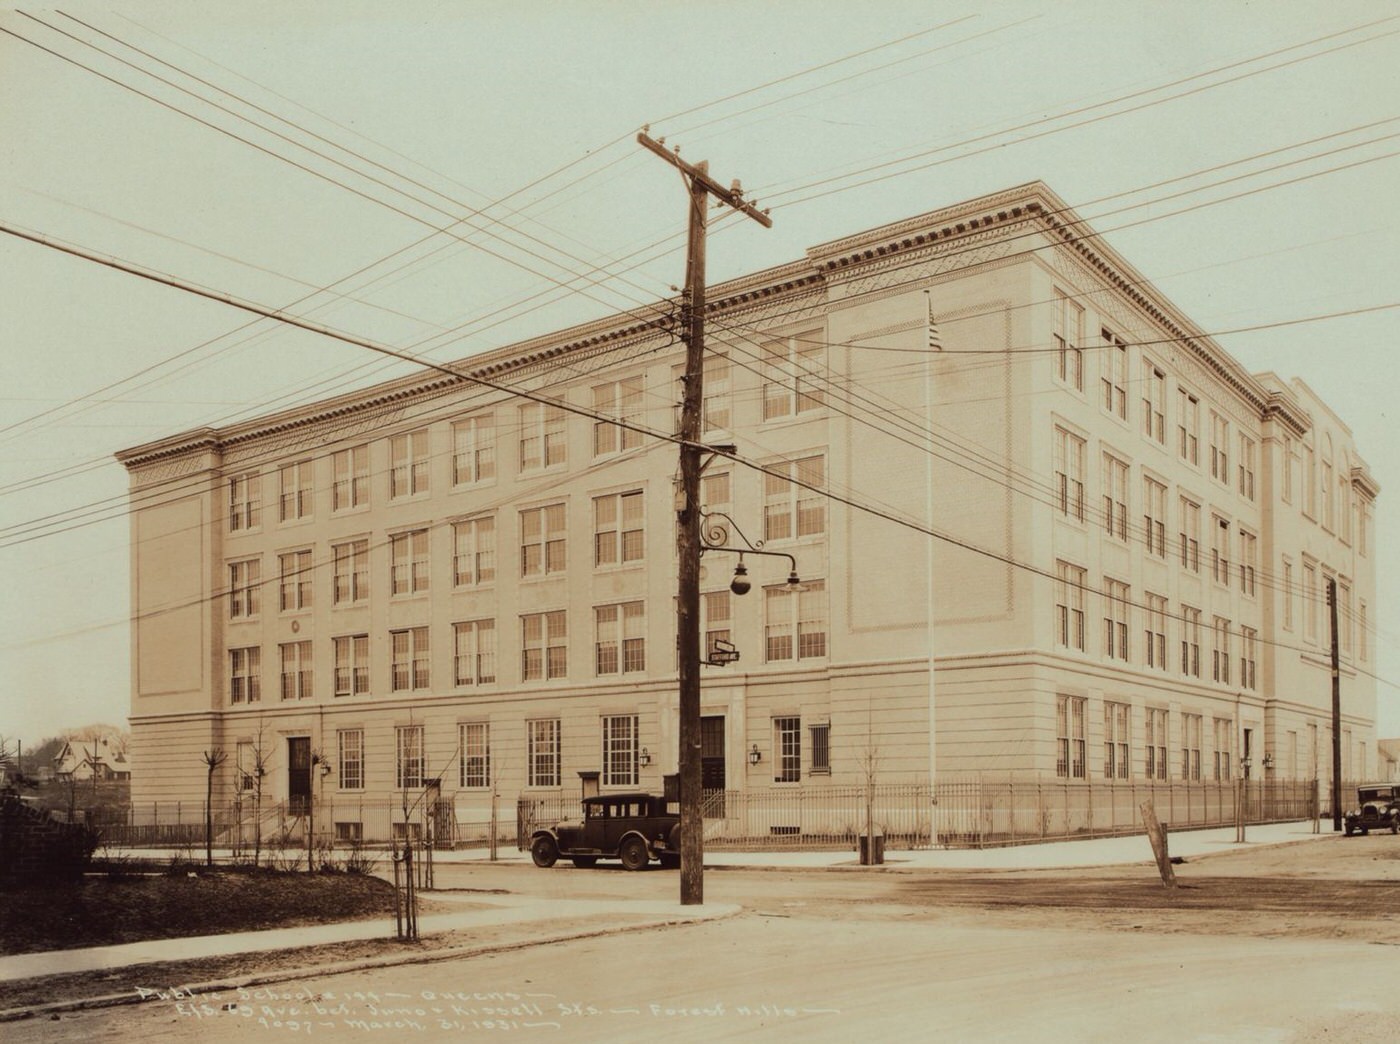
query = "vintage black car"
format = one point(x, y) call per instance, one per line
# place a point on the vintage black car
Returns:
point(1377, 808)
point(635, 828)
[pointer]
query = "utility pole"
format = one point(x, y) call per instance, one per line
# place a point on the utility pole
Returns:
point(1336, 709)
point(701, 187)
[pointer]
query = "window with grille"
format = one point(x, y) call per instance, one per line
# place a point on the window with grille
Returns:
point(1114, 375)
point(297, 490)
point(295, 581)
point(542, 540)
point(1115, 741)
point(408, 557)
point(618, 533)
point(542, 752)
point(474, 450)
point(620, 400)
point(474, 652)
point(408, 464)
point(474, 739)
point(244, 589)
point(794, 509)
point(350, 478)
point(787, 749)
point(1155, 742)
point(1115, 619)
point(1069, 737)
point(1069, 605)
point(542, 436)
point(351, 664)
point(244, 502)
point(409, 660)
point(620, 749)
point(544, 645)
point(245, 675)
point(620, 646)
point(409, 763)
point(793, 374)
point(296, 671)
point(1115, 496)
point(351, 746)
point(1069, 341)
point(795, 621)
point(821, 749)
point(474, 551)
point(351, 571)
point(1069, 474)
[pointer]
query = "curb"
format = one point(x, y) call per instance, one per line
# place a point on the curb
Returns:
point(115, 1000)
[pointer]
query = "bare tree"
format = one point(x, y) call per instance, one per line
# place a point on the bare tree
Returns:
point(213, 759)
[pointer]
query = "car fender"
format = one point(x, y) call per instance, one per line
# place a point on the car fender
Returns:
point(546, 832)
point(637, 834)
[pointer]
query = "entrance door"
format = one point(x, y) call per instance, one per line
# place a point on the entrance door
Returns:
point(299, 775)
point(712, 765)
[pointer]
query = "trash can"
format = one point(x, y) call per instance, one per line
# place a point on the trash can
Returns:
point(872, 849)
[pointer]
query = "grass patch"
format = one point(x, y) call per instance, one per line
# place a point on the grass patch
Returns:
point(104, 911)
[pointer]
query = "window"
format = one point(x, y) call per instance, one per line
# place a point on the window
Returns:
point(1287, 595)
point(618, 536)
point(246, 767)
point(1328, 493)
point(1190, 534)
point(474, 450)
point(1115, 619)
point(1155, 634)
point(296, 481)
point(1069, 473)
point(544, 641)
point(1309, 482)
point(350, 746)
point(542, 544)
point(244, 589)
point(715, 492)
point(245, 675)
point(716, 406)
point(621, 400)
point(1191, 746)
point(350, 478)
point(1249, 556)
point(409, 763)
point(1344, 498)
point(1069, 606)
point(474, 741)
point(1115, 497)
point(474, 551)
point(296, 671)
point(621, 638)
point(1069, 342)
point(821, 749)
point(1220, 550)
point(1115, 741)
point(542, 752)
point(351, 664)
point(792, 374)
point(1246, 467)
point(1155, 742)
point(408, 464)
point(1219, 448)
point(1290, 454)
point(790, 508)
point(1069, 737)
point(787, 750)
point(620, 750)
point(1188, 428)
point(1114, 375)
point(1249, 641)
point(1190, 642)
point(1154, 517)
point(1154, 403)
point(409, 661)
point(795, 621)
point(1309, 602)
point(408, 556)
point(1220, 650)
point(295, 580)
point(1363, 527)
point(244, 502)
point(1361, 630)
point(715, 617)
point(474, 652)
point(542, 434)
point(1223, 728)
point(1344, 617)
point(351, 571)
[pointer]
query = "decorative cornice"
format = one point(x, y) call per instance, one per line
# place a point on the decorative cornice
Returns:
point(1364, 483)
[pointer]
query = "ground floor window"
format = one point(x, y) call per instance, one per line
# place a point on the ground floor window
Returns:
point(351, 744)
point(821, 750)
point(1115, 741)
point(787, 748)
point(1069, 737)
point(1223, 729)
point(1155, 742)
point(620, 750)
point(1191, 746)
point(409, 774)
point(542, 752)
point(474, 738)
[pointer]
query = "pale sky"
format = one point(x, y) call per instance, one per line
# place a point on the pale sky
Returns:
point(1138, 114)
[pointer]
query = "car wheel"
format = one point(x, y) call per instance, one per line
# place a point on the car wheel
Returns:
point(584, 862)
point(633, 854)
point(544, 851)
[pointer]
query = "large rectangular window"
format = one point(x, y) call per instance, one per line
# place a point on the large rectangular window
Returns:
point(1220, 550)
point(1249, 642)
point(351, 664)
point(244, 589)
point(795, 621)
point(244, 502)
point(620, 750)
point(1247, 465)
point(620, 646)
point(296, 671)
point(294, 587)
point(408, 464)
point(409, 762)
point(1191, 746)
point(1115, 496)
point(618, 534)
point(409, 661)
point(350, 744)
point(474, 450)
point(1069, 737)
point(1219, 448)
point(1155, 633)
point(1287, 595)
point(542, 436)
point(245, 675)
point(1114, 375)
point(1069, 341)
point(542, 752)
point(794, 509)
point(793, 374)
point(1116, 740)
point(787, 750)
point(544, 639)
point(1249, 556)
point(1190, 641)
point(351, 571)
point(1154, 517)
point(1069, 605)
point(474, 739)
point(297, 490)
point(1069, 473)
point(1344, 625)
point(474, 551)
point(1224, 745)
point(408, 556)
point(821, 749)
point(350, 478)
point(474, 652)
point(1115, 619)
point(542, 540)
point(1190, 534)
point(1220, 650)
point(1309, 602)
point(1155, 742)
point(716, 615)
point(620, 400)
point(1188, 427)
point(1154, 403)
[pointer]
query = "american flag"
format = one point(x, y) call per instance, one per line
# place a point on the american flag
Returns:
point(934, 344)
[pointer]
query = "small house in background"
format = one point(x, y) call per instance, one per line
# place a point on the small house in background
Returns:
point(81, 760)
